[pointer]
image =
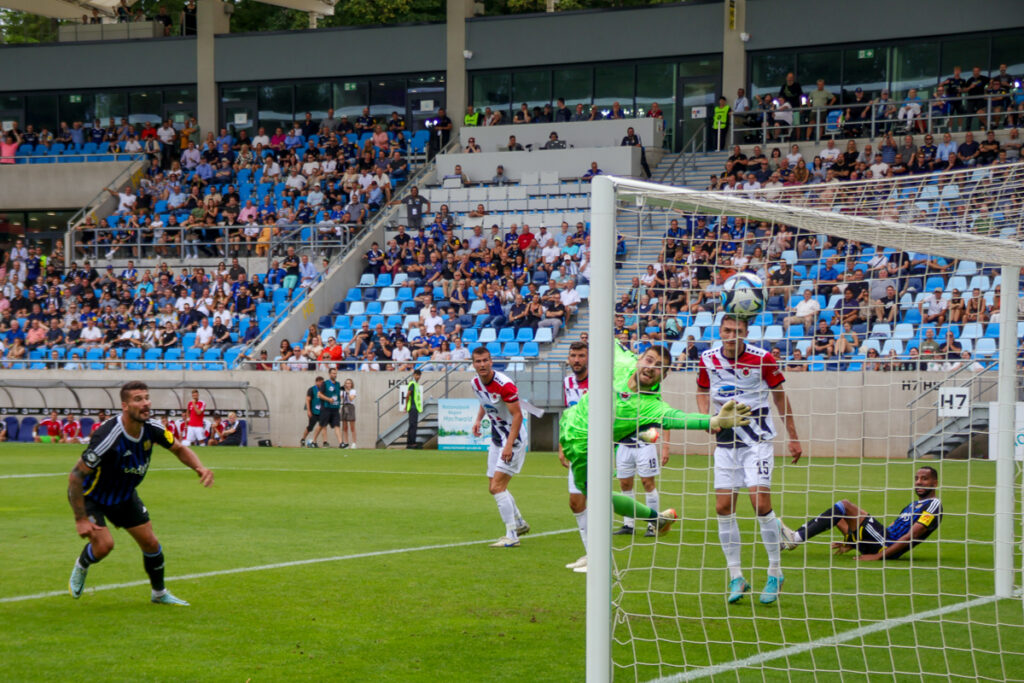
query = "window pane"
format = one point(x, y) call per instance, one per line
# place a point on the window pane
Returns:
point(314, 98)
point(1006, 49)
point(425, 97)
point(965, 54)
point(700, 66)
point(238, 94)
point(914, 66)
point(76, 108)
point(276, 107)
point(657, 83)
point(614, 84)
point(350, 97)
point(183, 95)
point(574, 86)
point(531, 87)
point(41, 112)
point(48, 221)
point(145, 105)
point(494, 91)
point(386, 96)
point(768, 72)
point(865, 68)
point(814, 65)
point(111, 104)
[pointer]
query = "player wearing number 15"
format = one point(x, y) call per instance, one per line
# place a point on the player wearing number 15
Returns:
point(102, 485)
point(743, 456)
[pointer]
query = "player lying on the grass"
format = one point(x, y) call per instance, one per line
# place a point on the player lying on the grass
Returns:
point(916, 522)
point(638, 406)
point(102, 487)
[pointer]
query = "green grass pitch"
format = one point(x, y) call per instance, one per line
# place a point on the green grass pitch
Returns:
point(384, 605)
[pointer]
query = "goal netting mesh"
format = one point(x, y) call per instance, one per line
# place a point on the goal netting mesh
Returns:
point(902, 372)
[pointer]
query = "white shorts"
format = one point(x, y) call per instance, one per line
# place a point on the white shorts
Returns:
point(744, 466)
point(195, 435)
point(496, 464)
point(641, 459)
point(572, 484)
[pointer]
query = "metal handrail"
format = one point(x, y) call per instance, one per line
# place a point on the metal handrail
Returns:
point(91, 205)
point(688, 152)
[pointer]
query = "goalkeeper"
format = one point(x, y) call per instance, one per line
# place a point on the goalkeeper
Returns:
point(638, 406)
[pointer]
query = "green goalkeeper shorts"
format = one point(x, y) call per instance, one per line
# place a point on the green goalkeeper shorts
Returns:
point(576, 454)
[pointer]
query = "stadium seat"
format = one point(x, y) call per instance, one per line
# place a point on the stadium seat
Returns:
point(96, 356)
point(911, 316)
point(980, 282)
point(152, 356)
point(890, 345)
point(211, 358)
point(494, 347)
point(488, 335)
point(387, 294)
point(902, 331)
point(530, 350)
point(354, 294)
point(131, 357)
point(986, 347)
point(543, 335)
point(24, 430)
point(192, 359)
point(992, 331)
point(384, 280)
point(510, 349)
point(374, 308)
point(86, 424)
point(171, 358)
point(469, 336)
point(11, 424)
point(703, 319)
point(507, 334)
point(524, 335)
point(971, 331)
point(773, 333)
point(356, 308)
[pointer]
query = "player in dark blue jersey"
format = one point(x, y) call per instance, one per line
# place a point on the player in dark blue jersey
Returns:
point(102, 487)
point(916, 522)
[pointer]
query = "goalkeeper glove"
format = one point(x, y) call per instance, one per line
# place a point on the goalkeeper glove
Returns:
point(731, 415)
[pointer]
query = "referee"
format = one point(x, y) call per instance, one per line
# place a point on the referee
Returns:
point(102, 487)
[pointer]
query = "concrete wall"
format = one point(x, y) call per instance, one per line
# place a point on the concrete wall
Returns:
point(596, 36)
point(56, 186)
point(838, 414)
point(782, 24)
point(578, 134)
point(570, 163)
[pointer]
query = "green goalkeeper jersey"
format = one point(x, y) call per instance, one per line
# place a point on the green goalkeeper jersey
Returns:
point(633, 410)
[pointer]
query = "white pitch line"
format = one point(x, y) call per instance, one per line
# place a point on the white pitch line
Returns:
point(845, 636)
point(215, 468)
point(276, 565)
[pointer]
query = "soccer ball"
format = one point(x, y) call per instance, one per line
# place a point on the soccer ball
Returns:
point(743, 295)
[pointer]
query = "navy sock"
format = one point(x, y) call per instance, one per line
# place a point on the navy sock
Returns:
point(823, 522)
point(154, 564)
point(87, 558)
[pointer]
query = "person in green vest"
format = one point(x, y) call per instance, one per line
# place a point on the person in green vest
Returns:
point(313, 404)
point(413, 406)
point(472, 117)
point(330, 410)
point(720, 121)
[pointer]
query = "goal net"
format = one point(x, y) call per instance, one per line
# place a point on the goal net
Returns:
point(908, 358)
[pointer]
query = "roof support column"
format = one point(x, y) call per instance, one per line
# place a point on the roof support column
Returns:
point(212, 17)
point(455, 59)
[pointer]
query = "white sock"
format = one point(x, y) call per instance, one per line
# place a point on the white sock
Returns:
point(159, 594)
point(729, 537)
point(628, 521)
point(652, 500)
point(581, 522)
point(770, 537)
point(520, 520)
point(507, 510)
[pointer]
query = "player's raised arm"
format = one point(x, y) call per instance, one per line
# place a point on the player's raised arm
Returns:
point(785, 410)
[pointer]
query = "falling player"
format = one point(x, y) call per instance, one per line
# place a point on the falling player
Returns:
point(574, 386)
point(744, 456)
point(196, 410)
point(102, 485)
point(866, 534)
point(638, 406)
point(499, 401)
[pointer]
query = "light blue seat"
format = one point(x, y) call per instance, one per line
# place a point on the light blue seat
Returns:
point(507, 334)
point(985, 347)
point(543, 336)
point(488, 335)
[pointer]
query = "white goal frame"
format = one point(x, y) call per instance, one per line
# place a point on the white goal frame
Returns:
point(602, 340)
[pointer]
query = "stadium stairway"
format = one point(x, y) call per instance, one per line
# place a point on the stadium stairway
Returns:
point(952, 433)
point(394, 435)
point(691, 171)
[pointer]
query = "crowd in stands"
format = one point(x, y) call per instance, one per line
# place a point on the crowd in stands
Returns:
point(446, 293)
point(560, 113)
point(229, 194)
point(80, 317)
point(123, 14)
point(958, 102)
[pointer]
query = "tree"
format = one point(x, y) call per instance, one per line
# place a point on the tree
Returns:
point(21, 27)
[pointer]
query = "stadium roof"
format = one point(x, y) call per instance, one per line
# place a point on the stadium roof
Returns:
point(74, 9)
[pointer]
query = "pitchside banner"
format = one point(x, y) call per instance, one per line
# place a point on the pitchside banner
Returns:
point(455, 418)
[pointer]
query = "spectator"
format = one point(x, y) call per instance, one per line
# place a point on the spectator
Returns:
point(513, 145)
point(819, 99)
point(591, 172)
point(805, 313)
point(933, 308)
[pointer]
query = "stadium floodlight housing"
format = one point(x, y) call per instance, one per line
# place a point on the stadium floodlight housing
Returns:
point(657, 611)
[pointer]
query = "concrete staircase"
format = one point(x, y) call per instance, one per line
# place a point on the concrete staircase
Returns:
point(952, 433)
point(691, 171)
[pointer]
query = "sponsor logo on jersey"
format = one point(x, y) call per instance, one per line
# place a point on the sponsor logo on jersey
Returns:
point(727, 390)
point(140, 470)
point(147, 444)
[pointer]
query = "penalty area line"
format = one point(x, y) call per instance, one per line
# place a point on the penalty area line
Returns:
point(276, 565)
point(837, 639)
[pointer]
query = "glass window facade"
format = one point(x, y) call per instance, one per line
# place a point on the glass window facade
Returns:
point(276, 107)
point(47, 110)
point(532, 88)
point(350, 97)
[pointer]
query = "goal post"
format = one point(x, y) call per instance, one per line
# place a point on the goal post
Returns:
point(660, 605)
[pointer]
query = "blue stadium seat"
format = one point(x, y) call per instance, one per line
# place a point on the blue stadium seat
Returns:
point(487, 335)
point(374, 308)
point(354, 294)
point(902, 331)
point(24, 430)
point(152, 356)
point(507, 334)
point(494, 347)
point(510, 349)
point(193, 359)
point(131, 357)
point(404, 294)
point(985, 347)
point(543, 335)
point(356, 308)
point(384, 280)
point(524, 335)
point(11, 424)
point(971, 331)
point(470, 335)
point(992, 331)
point(171, 358)
point(210, 357)
point(911, 316)
point(890, 345)
point(530, 350)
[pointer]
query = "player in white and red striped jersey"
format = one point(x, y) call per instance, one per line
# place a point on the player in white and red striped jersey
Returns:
point(196, 409)
point(744, 457)
point(499, 401)
point(574, 386)
point(72, 431)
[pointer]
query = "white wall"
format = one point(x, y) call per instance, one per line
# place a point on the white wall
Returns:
point(569, 163)
point(578, 134)
point(55, 186)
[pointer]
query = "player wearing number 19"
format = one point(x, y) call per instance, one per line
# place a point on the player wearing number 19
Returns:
point(744, 456)
point(638, 406)
point(102, 487)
